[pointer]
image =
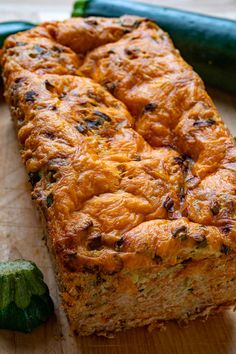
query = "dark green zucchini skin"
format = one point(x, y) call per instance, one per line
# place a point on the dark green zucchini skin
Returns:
point(207, 43)
point(8, 28)
point(25, 320)
point(25, 302)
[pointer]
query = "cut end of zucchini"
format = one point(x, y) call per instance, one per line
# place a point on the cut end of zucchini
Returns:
point(25, 302)
point(79, 8)
point(17, 266)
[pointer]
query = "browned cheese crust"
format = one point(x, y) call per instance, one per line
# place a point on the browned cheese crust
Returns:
point(132, 167)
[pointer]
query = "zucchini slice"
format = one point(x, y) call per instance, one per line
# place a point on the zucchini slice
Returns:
point(25, 302)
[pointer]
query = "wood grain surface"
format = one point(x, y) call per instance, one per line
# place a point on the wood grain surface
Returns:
point(22, 235)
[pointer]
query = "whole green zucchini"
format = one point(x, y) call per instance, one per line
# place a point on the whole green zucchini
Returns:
point(207, 43)
point(10, 27)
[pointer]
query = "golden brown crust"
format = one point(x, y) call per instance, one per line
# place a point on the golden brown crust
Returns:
point(126, 179)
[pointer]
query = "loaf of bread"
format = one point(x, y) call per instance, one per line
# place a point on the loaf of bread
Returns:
point(132, 167)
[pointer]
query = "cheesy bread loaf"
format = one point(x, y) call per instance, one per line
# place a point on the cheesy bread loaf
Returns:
point(132, 168)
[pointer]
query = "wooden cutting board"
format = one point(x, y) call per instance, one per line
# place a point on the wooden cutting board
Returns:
point(22, 236)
